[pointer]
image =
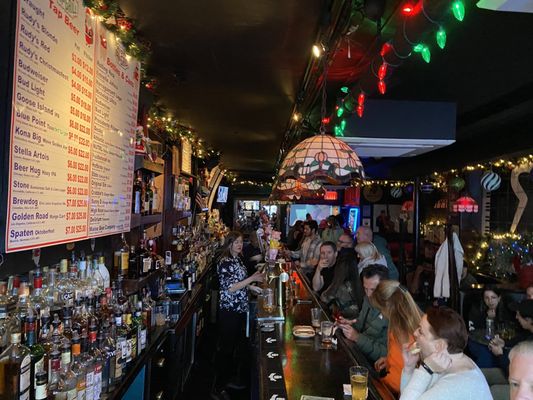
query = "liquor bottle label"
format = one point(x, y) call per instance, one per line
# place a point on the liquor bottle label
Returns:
point(25, 374)
point(68, 298)
point(72, 394)
point(142, 339)
point(137, 209)
point(124, 262)
point(40, 392)
point(89, 384)
point(147, 264)
point(118, 364)
point(97, 382)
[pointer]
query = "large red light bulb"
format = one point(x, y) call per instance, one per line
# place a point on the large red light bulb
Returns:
point(382, 72)
point(382, 87)
point(360, 110)
point(361, 99)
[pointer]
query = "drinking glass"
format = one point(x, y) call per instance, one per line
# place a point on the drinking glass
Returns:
point(359, 382)
point(160, 317)
point(268, 300)
point(326, 329)
point(315, 317)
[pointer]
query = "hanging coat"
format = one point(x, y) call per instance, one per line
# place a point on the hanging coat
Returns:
point(442, 278)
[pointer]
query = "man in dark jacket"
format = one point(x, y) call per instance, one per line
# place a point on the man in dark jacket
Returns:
point(369, 331)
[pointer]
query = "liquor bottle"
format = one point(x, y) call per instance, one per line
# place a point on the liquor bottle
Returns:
point(124, 256)
point(37, 300)
point(15, 365)
point(78, 368)
point(105, 362)
point(41, 386)
point(97, 359)
point(55, 370)
point(97, 280)
point(67, 385)
point(137, 200)
point(4, 321)
point(87, 362)
point(121, 341)
point(68, 332)
point(104, 272)
point(115, 356)
point(187, 278)
point(148, 200)
point(155, 195)
point(24, 308)
point(50, 293)
point(133, 268)
point(131, 341)
point(36, 350)
point(140, 326)
point(148, 313)
point(145, 258)
point(64, 285)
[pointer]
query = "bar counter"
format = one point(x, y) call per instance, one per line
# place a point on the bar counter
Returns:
point(290, 367)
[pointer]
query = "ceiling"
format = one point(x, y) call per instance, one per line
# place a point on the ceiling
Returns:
point(230, 69)
point(235, 72)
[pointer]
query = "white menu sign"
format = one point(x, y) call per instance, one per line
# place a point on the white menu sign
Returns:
point(75, 100)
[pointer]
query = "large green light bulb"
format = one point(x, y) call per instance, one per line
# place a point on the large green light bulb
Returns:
point(340, 111)
point(343, 126)
point(441, 38)
point(344, 89)
point(426, 54)
point(458, 9)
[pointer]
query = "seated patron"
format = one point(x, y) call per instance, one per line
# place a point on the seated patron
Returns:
point(365, 235)
point(491, 307)
point(369, 331)
point(500, 346)
point(521, 371)
point(333, 230)
point(325, 268)
point(397, 305)
point(440, 370)
point(309, 252)
point(344, 294)
point(368, 254)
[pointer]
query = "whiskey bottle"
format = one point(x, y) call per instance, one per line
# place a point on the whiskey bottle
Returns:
point(15, 365)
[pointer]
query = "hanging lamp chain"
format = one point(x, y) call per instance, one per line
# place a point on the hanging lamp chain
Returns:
point(324, 97)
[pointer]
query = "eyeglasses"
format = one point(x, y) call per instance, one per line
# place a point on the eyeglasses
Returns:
point(343, 242)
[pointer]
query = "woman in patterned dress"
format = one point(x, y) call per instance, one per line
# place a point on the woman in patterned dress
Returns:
point(232, 306)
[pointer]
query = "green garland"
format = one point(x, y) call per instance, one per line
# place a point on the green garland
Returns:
point(123, 27)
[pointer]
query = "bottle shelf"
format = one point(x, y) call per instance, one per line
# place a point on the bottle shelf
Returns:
point(132, 286)
point(143, 163)
point(145, 220)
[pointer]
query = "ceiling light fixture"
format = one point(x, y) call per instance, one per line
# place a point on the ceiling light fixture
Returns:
point(322, 158)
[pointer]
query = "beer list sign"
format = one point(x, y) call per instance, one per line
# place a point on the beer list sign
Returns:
point(74, 111)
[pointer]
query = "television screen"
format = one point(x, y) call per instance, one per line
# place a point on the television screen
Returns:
point(318, 212)
point(222, 194)
point(250, 205)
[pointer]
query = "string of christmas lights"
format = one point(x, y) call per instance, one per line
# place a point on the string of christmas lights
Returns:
point(111, 15)
point(160, 121)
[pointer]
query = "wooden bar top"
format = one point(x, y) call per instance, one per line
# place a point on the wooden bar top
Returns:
point(292, 367)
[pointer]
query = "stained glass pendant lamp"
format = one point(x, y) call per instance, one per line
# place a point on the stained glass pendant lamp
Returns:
point(322, 158)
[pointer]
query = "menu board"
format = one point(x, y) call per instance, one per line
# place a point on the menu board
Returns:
point(74, 111)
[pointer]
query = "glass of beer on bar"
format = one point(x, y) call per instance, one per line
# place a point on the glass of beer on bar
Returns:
point(359, 381)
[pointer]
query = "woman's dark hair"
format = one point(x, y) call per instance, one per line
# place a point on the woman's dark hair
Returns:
point(230, 238)
point(447, 324)
point(494, 289)
point(373, 270)
point(312, 225)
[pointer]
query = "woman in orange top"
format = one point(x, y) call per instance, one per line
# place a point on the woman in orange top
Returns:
point(397, 305)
